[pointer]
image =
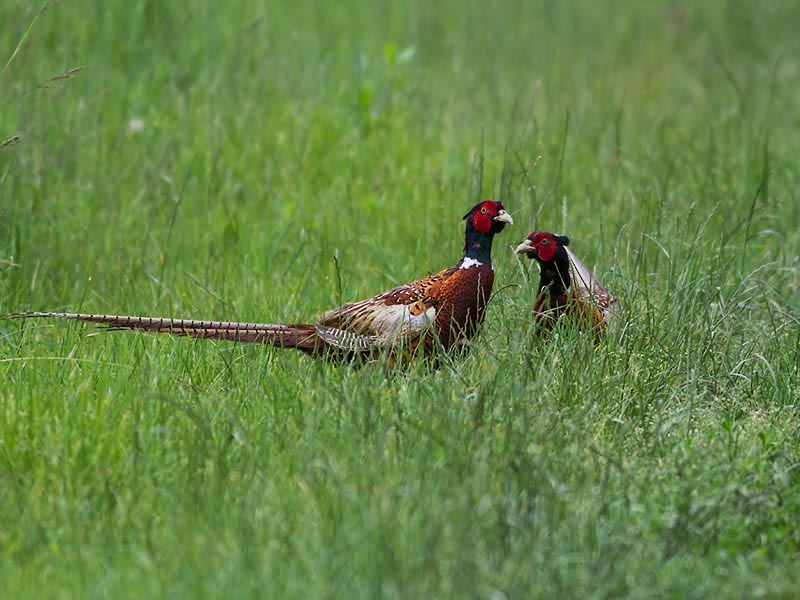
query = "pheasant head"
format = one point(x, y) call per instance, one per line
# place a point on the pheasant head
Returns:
point(484, 220)
point(550, 251)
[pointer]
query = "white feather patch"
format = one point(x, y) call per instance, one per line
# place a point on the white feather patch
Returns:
point(582, 275)
point(586, 281)
point(469, 262)
point(398, 319)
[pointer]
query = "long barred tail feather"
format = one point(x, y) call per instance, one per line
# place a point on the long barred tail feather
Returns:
point(311, 339)
point(300, 335)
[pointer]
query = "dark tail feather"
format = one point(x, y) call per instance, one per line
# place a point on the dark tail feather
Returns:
point(300, 335)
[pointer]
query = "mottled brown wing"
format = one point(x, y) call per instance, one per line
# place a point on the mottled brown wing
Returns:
point(587, 288)
point(407, 310)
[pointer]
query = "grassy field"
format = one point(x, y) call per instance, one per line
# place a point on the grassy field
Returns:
point(265, 163)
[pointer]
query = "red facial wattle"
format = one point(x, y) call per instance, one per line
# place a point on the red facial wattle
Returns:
point(483, 215)
point(546, 252)
point(545, 246)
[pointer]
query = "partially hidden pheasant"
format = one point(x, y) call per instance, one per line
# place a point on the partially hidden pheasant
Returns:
point(567, 288)
point(436, 314)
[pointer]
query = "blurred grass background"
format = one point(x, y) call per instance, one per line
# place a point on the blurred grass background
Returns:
point(218, 160)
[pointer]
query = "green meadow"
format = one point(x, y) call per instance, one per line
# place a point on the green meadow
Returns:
point(268, 161)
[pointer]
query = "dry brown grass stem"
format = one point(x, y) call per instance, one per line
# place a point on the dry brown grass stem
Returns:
point(7, 143)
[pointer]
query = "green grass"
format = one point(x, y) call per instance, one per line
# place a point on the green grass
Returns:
point(285, 148)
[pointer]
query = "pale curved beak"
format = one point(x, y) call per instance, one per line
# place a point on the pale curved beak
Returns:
point(525, 247)
point(504, 217)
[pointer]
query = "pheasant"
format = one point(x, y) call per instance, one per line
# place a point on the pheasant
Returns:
point(566, 285)
point(438, 313)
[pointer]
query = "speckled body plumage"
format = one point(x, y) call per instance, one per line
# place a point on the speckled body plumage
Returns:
point(437, 313)
point(457, 296)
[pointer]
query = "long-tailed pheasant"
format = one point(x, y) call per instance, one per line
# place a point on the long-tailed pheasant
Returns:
point(438, 313)
point(566, 285)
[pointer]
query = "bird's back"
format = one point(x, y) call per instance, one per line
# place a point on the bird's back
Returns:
point(443, 308)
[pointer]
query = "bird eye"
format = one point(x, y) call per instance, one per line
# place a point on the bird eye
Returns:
point(545, 242)
point(484, 210)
